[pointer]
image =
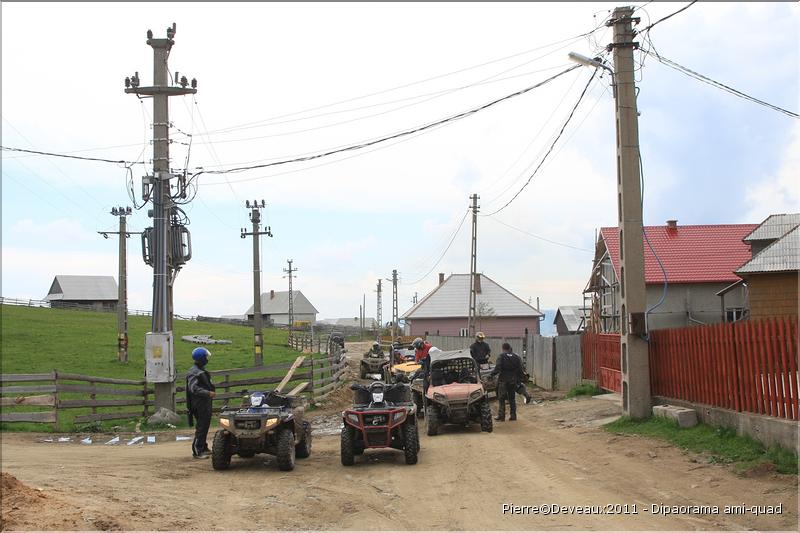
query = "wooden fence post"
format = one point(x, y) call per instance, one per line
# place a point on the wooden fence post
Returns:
point(56, 398)
point(93, 395)
point(145, 409)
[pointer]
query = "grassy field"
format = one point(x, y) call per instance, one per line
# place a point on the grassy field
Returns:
point(35, 340)
point(85, 342)
point(722, 444)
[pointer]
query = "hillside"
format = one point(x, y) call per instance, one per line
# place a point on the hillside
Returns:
point(41, 340)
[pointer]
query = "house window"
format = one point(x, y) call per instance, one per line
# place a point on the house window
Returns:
point(734, 314)
point(463, 332)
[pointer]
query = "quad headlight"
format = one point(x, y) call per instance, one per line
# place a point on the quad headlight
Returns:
point(398, 416)
point(352, 417)
point(474, 395)
point(271, 423)
point(225, 422)
point(439, 397)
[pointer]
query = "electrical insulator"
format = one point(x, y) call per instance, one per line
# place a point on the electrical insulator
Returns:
point(194, 83)
point(127, 82)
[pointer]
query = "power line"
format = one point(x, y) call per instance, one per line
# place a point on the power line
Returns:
point(650, 27)
point(453, 238)
point(719, 85)
point(451, 118)
point(53, 154)
point(411, 84)
point(544, 158)
point(542, 238)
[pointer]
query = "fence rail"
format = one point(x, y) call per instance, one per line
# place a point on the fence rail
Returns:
point(78, 307)
point(747, 366)
point(102, 398)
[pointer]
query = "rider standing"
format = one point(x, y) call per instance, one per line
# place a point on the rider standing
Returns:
point(480, 349)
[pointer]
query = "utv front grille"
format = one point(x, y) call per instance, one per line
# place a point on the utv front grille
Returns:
point(376, 437)
point(376, 420)
point(248, 424)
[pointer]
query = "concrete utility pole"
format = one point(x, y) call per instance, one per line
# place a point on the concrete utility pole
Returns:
point(394, 304)
point(159, 353)
point(379, 312)
point(122, 295)
point(473, 268)
point(633, 347)
point(289, 273)
point(255, 218)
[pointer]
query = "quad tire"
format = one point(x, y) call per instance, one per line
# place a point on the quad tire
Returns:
point(433, 421)
point(286, 451)
point(220, 450)
point(348, 446)
point(420, 405)
point(486, 417)
point(411, 445)
point(303, 448)
point(247, 454)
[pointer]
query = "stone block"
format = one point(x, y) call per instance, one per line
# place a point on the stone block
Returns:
point(685, 417)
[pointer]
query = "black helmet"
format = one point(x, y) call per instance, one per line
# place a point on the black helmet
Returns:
point(418, 342)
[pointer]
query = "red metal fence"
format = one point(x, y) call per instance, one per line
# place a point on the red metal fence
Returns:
point(744, 366)
point(601, 360)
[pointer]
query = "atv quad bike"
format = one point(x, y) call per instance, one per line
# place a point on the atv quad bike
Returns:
point(373, 363)
point(270, 423)
point(401, 373)
point(488, 381)
point(382, 416)
point(455, 394)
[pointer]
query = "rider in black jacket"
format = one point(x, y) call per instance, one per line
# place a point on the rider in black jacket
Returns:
point(509, 366)
point(480, 350)
point(199, 396)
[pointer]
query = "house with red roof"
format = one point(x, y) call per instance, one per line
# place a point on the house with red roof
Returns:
point(686, 267)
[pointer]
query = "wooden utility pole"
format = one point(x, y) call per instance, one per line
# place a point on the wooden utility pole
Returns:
point(122, 286)
point(159, 351)
point(633, 346)
point(255, 218)
point(473, 267)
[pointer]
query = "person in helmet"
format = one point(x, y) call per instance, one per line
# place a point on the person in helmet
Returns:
point(375, 351)
point(199, 395)
point(480, 350)
point(422, 356)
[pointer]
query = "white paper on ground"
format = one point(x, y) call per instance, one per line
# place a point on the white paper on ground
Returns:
point(134, 440)
point(87, 440)
point(115, 440)
point(151, 439)
point(181, 437)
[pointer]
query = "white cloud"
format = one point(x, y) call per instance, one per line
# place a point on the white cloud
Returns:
point(779, 193)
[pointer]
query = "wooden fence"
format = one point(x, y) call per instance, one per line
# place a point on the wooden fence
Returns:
point(601, 359)
point(747, 366)
point(50, 397)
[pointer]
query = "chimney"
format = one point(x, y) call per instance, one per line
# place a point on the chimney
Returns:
point(477, 283)
point(271, 295)
point(441, 278)
point(672, 225)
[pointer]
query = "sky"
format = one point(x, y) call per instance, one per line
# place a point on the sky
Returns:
point(279, 80)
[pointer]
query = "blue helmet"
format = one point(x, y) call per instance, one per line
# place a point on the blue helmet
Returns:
point(200, 354)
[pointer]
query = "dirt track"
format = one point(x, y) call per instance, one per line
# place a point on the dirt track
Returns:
point(555, 454)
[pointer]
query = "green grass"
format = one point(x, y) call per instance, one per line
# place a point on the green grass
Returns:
point(39, 340)
point(722, 444)
point(585, 389)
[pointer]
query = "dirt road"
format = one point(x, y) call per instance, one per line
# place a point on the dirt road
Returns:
point(555, 453)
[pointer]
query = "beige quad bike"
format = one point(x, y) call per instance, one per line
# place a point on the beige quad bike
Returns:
point(455, 394)
point(487, 379)
point(270, 423)
point(373, 363)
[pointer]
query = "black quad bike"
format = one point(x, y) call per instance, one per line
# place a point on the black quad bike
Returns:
point(270, 423)
point(382, 416)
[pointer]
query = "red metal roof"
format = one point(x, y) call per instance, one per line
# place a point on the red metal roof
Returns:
point(690, 254)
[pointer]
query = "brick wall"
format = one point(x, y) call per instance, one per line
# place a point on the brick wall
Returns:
point(773, 295)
